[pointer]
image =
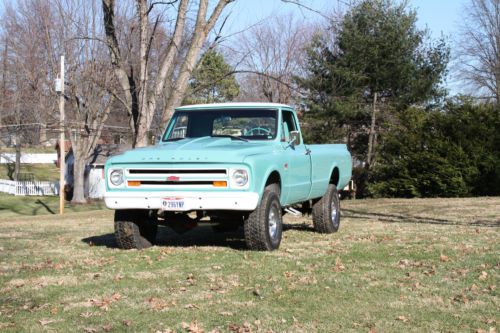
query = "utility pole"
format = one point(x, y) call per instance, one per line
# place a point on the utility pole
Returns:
point(62, 144)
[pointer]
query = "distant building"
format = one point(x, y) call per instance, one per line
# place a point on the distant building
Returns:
point(94, 185)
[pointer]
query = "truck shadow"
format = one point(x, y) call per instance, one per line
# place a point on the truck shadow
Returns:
point(202, 236)
point(307, 227)
point(408, 218)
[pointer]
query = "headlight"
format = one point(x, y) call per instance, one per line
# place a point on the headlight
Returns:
point(116, 177)
point(239, 177)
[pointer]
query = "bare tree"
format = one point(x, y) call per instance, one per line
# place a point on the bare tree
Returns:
point(25, 27)
point(89, 81)
point(273, 53)
point(142, 91)
point(19, 85)
point(479, 45)
point(37, 32)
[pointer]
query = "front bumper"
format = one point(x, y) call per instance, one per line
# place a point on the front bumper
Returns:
point(244, 201)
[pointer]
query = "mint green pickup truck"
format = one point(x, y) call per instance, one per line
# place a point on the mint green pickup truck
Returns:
point(232, 164)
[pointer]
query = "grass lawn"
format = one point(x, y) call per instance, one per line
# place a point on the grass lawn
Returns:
point(39, 171)
point(394, 266)
point(14, 206)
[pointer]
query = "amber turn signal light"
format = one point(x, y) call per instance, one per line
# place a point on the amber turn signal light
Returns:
point(219, 183)
point(134, 183)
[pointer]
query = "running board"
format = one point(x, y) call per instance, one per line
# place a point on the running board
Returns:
point(293, 211)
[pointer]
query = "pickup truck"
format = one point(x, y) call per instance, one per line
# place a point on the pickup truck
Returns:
point(230, 164)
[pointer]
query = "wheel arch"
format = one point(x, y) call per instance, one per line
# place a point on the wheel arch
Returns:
point(335, 176)
point(272, 176)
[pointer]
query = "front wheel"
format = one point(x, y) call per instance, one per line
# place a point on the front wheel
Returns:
point(326, 212)
point(264, 226)
point(135, 228)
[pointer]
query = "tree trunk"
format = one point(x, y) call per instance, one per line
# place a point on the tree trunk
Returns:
point(372, 134)
point(4, 82)
point(78, 179)
point(43, 134)
point(18, 155)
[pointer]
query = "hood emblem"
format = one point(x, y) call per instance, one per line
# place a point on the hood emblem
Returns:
point(173, 178)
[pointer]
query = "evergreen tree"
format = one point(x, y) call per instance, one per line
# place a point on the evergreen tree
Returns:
point(450, 152)
point(212, 81)
point(378, 64)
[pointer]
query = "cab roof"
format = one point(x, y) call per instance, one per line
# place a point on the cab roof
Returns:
point(245, 105)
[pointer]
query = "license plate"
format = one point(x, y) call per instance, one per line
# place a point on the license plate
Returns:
point(173, 204)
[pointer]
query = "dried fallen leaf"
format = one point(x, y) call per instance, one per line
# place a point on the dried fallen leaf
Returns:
point(89, 314)
point(157, 303)
point(444, 258)
point(127, 322)
point(44, 322)
point(107, 328)
point(403, 263)
point(245, 328)
point(191, 306)
point(473, 288)
point(90, 330)
point(483, 276)
point(192, 327)
point(190, 279)
point(461, 298)
point(403, 319)
point(257, 292)
point(338, 265)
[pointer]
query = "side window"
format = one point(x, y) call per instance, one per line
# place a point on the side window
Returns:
point(179, 128)
point(289, 125)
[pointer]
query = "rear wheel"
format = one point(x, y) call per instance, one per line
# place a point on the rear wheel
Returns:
point(135, 228)
point(326, 212)
point(264, 226)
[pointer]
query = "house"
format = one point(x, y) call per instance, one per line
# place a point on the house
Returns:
point(94, 185)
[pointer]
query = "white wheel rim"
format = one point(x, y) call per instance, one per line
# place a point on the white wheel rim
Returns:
point(273, 219)
point(334, 213)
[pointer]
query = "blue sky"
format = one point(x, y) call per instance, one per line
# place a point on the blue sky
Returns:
point(440, 16)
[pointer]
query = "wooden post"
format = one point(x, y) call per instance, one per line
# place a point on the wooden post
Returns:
point(62, 144)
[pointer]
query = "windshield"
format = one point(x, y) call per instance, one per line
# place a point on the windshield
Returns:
point(239, 124)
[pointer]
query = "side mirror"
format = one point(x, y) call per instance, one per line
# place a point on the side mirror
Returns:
point(155, 139)
point(294, 138)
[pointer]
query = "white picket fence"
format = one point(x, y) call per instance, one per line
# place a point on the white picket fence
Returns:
point(29, 187)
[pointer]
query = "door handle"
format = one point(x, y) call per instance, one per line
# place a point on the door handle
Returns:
point(308, 151)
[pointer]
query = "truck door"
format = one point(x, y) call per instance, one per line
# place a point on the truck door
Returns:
point(298, 161)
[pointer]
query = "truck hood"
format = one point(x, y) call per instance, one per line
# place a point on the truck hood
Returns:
point(189, 150)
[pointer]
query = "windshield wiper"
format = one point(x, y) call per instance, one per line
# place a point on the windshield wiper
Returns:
point(229, 136)
point(174, 139)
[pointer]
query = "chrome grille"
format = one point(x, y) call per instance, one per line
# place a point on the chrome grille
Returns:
point(170, 178)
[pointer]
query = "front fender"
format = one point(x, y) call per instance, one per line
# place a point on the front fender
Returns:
point(262, 166)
